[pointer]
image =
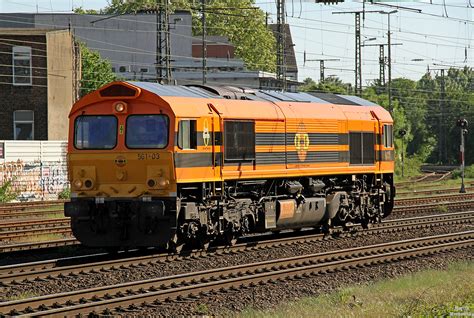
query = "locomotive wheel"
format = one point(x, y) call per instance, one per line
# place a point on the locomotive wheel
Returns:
point(174, 245)
point(204, 243)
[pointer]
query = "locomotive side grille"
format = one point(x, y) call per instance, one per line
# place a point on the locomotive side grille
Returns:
point(368, 148)
point(361, 146)
point(355, 148)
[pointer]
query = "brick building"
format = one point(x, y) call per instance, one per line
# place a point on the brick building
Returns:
point(39, 76)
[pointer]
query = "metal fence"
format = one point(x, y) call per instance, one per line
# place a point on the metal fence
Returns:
point(37, 169)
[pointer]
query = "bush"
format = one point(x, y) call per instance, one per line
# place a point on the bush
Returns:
point(412, 166)
point(468, 172)
point(6, 192)
point(65, 194)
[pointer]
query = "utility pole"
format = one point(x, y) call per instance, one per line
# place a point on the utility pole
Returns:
point(204, 43)
point(358, 51)
point(382, 60)
point(381, 65)
point(163, 45)
point(389, 62)
point(442, 130)
point(321, 65)
point(281, 43)
point(442, 143)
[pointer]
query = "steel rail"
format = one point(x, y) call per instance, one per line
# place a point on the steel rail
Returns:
point(405, 201)
point(22, 214)
point(435, 199)
point(431, 192)
point(19, 206)
point(37, 245)
point(44, 269)
point(437, 206)
point(414, 209)
point(19, 234)
point(109, 298)
point(32, 224)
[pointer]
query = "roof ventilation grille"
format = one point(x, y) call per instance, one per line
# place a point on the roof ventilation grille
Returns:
point(118, 90)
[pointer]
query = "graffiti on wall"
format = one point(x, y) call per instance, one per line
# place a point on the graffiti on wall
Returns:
point(38, 180)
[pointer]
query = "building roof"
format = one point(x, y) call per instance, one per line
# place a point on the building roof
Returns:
point(24, 31)
point(289, 51)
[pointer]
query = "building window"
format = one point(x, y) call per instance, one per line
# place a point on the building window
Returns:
point(22, 65)
point(239, 140)
point(144, 70)
point(187, 135)
point(123, 69)
point(23, 125)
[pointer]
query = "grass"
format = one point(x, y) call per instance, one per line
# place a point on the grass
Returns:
point(423, 294)
point(443, 184)
point(20, 296)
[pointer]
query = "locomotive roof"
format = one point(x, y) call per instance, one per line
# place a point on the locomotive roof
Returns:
point(242, 93)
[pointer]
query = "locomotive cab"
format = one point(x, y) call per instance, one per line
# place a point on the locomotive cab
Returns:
point(123, 188)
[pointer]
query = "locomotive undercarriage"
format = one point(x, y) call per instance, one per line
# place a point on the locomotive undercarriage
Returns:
point(207, 212)
point(226, 211)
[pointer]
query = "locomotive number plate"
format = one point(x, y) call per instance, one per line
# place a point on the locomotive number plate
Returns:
point(148, 156)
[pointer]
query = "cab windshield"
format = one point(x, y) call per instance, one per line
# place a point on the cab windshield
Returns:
point(147, 131)
point(95, 132)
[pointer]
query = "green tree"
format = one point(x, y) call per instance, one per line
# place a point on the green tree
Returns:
point(96, 71)
point(239, 20)
point(329, 85)
point(81, 10)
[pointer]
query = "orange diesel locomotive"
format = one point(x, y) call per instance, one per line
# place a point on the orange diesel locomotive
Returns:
point(155, 165)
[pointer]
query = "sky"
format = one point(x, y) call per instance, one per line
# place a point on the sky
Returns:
point(438, 37)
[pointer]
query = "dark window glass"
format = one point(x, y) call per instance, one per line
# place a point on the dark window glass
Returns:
point(355, 148)
point(95, 132)
point(147, 131)
point(368, 142)
point(187, 135)
point(387, 136)
point(22, 65)
point(239, 140)
point(361, 147)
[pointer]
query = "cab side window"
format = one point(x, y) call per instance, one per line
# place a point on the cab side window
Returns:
point(387, 136)
point(187, 135)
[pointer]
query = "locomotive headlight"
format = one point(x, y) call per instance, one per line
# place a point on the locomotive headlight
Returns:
point(77, 184)
point(163, 183)
point(119, 107)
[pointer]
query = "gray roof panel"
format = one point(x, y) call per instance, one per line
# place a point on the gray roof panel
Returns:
point(170, 90)
point(358, 100)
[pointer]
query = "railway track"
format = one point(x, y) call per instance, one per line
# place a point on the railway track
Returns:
point(432, 192)
point(434, 199)
point(404, 201)
point(439, 205)
point(129, 297)
point(25, 214)
point(21, 206)
point(428, 178)
point(54, 268)
point(33, 224)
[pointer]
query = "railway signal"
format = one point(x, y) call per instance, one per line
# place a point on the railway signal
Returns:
point(401, 134)
point(462, 124)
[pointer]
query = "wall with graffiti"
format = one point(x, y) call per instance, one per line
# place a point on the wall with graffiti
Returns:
point(37, 170)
